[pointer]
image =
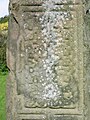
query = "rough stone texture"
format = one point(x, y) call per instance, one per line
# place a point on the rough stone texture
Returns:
point(48, 58)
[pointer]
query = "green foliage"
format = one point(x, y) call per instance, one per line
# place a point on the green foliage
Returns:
point(3, 69)
point(4, 19)
point(3, 41)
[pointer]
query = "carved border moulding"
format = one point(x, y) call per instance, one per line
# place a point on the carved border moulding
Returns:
point(57, 2)
point(31, 117)
point(51, 117)
point(49, 72)
point(66, 117)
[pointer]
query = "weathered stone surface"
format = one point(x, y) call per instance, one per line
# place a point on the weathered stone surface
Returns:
point(46, 59)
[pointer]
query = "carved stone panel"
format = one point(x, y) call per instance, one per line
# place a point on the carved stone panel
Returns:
point(47, 59)
point(47, 55)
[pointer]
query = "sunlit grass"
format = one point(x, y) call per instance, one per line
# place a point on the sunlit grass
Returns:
point(3, 77)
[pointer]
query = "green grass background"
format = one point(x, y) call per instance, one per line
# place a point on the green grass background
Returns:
point(3, 77)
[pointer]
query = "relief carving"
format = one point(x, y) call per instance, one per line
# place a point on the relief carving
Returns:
point(46, 60)
point(47, 57)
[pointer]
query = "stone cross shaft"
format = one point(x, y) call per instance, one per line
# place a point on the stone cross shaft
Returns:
point(48, 56)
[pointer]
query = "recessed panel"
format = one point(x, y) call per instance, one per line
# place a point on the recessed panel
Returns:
point(49, 69)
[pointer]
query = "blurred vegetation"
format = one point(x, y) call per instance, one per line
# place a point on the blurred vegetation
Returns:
point(3, 41)
point(3, 26)
point(4, 19)
point(3, 66)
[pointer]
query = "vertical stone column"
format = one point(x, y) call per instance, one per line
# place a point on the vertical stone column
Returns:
point(86, 53)
point(46, 58)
